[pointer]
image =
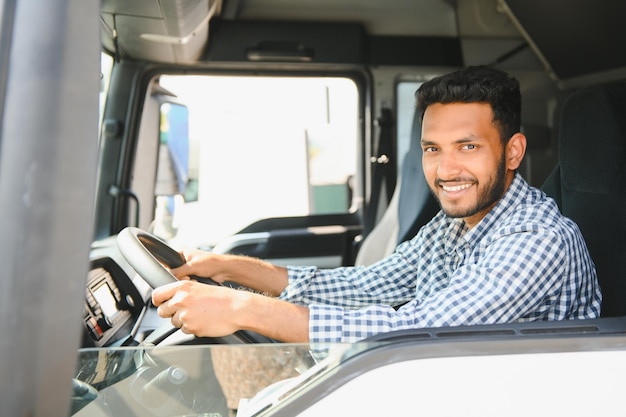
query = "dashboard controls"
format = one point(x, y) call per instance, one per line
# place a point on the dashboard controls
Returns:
point(107, 307)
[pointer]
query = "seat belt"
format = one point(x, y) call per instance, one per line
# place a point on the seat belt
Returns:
point(383, 172)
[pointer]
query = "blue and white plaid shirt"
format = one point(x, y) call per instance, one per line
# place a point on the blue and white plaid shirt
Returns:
point(523, 261)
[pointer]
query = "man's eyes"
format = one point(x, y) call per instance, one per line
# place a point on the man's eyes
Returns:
point(467, 146)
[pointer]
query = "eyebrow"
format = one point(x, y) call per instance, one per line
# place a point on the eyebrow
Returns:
point(468, 139)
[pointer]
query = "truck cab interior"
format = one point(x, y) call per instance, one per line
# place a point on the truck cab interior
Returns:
point(283, 130)
point(352, 208)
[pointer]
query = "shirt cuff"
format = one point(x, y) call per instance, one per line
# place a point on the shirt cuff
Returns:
point(325, 324)
point(299, 278)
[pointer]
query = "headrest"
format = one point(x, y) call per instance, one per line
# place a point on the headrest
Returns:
point(592, 138)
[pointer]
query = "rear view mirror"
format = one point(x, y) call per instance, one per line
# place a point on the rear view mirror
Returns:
point(173, 174)
point(174, 186)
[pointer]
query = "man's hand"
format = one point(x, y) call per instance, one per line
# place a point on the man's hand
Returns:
point(249, 272)
point(215, 311)
point(199, 309)
point(200, 263)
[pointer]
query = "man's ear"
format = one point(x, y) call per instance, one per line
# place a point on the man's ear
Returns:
point(515, 150)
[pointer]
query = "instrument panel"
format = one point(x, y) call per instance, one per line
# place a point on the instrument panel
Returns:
point(112, 304)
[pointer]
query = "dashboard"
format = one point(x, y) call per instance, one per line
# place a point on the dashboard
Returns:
point(116, 299)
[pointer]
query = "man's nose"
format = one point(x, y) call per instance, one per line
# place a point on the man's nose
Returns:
point(449, 166)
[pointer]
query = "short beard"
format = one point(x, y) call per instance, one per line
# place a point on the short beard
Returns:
point(488, 196)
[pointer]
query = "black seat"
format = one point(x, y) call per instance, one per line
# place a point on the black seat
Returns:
point(412, 205)
point(589, 183)
point(416, 204)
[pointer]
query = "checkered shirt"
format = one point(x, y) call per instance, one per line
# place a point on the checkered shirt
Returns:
point(523, 261)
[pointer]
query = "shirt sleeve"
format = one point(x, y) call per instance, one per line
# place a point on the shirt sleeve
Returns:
point(510, 280)
point(390, 282)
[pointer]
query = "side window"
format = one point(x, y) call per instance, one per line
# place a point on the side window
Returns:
point(106, 66)
point(259, 147)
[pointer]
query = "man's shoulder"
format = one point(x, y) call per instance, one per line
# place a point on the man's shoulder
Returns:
point(535, 211)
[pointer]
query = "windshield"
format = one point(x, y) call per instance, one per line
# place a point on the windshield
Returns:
point(207, 380)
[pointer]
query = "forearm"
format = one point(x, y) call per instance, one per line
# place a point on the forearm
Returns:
point(274, 318)
point(253, 273)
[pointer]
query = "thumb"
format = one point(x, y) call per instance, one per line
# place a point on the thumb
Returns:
point(181, 272)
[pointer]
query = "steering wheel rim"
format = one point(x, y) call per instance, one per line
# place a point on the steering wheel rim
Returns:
point(147, 253)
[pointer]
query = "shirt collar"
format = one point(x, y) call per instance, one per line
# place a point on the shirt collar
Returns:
point(458, 231)
point(511, 199)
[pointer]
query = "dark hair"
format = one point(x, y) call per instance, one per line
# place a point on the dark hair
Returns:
point(477, 84)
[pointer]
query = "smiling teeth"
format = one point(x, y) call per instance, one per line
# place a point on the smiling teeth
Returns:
point(456, 187)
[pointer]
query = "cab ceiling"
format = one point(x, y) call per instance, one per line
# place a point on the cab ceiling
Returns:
point(177, 30)
point(379, 17)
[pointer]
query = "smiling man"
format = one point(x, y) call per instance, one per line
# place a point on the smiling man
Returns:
point(498, 251)
point(467, 164)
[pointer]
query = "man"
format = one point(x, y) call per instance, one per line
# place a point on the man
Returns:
point(498, 251)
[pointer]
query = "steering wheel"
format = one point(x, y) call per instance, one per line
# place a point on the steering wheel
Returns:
point(147, 254)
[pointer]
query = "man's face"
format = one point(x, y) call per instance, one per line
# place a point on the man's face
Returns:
point(465, 163)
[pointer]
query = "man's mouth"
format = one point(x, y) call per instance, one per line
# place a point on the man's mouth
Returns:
point(455, 188)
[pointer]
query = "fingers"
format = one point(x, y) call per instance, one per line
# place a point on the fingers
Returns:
point(200, 309)
point(165, 299)
point(193, 261)
point(178, 321)
point(164, 293)
point(182, 272)
point(181, 302)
